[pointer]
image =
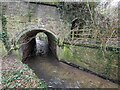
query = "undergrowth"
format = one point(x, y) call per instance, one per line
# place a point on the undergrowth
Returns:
point(24, 78)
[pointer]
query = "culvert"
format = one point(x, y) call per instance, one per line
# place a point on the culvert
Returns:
point(26, 40)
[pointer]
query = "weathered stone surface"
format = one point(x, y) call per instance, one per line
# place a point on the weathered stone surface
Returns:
point(26, 40)
point(44, 19)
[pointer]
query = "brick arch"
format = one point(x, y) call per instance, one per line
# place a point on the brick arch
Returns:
point(26, 39)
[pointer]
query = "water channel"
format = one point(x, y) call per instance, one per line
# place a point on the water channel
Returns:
point(60, 75)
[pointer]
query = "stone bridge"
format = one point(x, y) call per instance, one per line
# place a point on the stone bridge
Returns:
point(26, 39)
point(25, 20)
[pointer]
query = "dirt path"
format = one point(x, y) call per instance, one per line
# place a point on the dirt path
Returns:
point(57, 74)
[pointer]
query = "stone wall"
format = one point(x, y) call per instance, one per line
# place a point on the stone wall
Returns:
point(19, 13)
point(22, 16)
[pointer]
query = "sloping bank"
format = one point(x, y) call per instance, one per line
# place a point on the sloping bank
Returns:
point(15, 74)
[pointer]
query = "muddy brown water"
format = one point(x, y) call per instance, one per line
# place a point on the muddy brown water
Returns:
point(60, 75)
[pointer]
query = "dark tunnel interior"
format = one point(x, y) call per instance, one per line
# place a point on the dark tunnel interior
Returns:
point(28, 41)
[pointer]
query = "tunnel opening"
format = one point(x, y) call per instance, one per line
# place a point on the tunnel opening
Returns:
point(42, 45)
point(38, 43)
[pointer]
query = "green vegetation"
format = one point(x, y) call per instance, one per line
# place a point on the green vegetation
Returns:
point(3, 35)
point(72, 10)
point(100, 51)
point(24, 78)
point(2, 49)
point(102, 62)
point(67, 52)
point(98, 60)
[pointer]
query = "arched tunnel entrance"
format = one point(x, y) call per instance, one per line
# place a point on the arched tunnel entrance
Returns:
point(29, 44)
point(54, 73)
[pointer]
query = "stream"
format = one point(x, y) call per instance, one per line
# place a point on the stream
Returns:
point(60, 75)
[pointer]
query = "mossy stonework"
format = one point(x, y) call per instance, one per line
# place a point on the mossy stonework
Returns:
point(96, 60)
point(25, 20)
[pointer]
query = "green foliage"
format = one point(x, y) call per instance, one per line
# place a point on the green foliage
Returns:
point(3, 35)
point(102, 62)
point(69, 11)
point(10, 79)
point(67, 52)
point(2, 49)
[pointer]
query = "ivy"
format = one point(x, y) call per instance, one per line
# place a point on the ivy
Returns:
point(3, 35)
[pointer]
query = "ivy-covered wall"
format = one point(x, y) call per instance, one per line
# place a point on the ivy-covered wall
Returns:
point(104, 63)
